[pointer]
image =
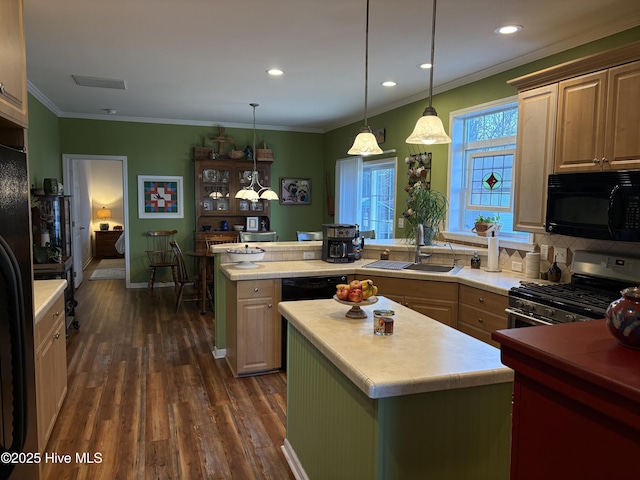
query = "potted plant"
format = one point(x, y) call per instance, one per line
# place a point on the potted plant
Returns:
point(425, 207)
point(484, 225)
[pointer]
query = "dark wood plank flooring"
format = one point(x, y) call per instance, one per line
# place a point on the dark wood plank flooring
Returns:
point(145, 392)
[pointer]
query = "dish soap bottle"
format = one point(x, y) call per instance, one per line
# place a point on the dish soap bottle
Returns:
point(475, 260)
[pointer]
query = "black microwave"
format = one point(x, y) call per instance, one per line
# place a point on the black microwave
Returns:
point(599, 205)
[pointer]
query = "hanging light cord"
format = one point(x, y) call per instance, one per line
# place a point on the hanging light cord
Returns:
point(433, 49)
point(366, 67)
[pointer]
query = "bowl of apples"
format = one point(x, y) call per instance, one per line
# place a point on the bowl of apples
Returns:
point(358, 293)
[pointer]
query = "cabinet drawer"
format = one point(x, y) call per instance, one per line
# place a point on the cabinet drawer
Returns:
point(48, 320)
point(256, 289)
point(491, 302)
point(482, 319)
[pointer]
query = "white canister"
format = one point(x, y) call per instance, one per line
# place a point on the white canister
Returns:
point(44, 239)
point(532, 265)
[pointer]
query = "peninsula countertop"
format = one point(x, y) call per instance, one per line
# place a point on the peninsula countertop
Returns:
point(44, 295)
point(422, 355)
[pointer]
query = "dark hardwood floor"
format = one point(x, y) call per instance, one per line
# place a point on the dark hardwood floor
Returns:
point(146, 394)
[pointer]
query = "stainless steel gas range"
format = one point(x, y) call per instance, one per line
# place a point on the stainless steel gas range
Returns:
point(596, 281)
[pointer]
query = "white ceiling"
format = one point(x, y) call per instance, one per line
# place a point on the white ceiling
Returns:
point(204, 61)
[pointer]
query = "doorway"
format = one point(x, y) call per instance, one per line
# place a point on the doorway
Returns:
point(89, 193)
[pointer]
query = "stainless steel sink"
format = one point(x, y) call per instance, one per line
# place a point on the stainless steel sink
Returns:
point(430, 267)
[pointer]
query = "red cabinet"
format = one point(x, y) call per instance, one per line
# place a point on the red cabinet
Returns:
point(576, 402)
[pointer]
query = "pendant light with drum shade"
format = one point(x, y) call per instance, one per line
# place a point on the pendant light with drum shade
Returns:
point(429, 129)
point(255, 191)
point(365, 143)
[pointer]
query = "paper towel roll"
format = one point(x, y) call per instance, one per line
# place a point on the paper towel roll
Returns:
point(532, 265)
point(493, 255)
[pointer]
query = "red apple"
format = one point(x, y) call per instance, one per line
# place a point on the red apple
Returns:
point(342, 292)
point(355, 284)
point(355, 295)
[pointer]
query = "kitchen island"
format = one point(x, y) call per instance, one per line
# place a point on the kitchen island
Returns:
point(425, 402)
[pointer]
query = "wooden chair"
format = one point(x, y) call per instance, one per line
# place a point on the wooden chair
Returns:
point(219, 239)
point(160, 254)
point(258, 237)
point(306, 236)
point(183, 276)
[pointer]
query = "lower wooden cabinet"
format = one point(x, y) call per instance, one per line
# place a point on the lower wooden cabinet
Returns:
point(51, 368)
point(438, 300)
point(481, 313)
point(253, 326)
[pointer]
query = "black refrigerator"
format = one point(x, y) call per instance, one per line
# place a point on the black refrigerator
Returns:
point(18, 428)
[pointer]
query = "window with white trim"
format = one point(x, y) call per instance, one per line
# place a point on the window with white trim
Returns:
point(366, 194)
point(481, 167)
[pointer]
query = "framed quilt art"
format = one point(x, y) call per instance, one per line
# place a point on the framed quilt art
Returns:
point(160, 197)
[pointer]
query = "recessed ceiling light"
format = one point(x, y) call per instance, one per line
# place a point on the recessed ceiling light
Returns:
point(508, 29)
point(389, 83)
point(425, 66)
point(275, 72)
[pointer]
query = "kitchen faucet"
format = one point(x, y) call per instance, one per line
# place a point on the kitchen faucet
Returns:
point(420, 243)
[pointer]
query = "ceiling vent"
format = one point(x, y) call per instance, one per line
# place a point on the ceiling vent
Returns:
point(98, 82)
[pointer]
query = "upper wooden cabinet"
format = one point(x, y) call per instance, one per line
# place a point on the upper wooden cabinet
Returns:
point(216, 185)
point(534, 156)
point(599, 121)
point(13, 76)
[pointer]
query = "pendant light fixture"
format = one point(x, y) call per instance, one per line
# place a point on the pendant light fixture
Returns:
point(255, 191)
point(429, 129)
point(365, 143)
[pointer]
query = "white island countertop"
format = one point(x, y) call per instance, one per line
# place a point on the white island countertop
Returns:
point(422, 355)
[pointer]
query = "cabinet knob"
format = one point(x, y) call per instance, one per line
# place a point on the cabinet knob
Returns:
point(2, 88)
point(481, 300)
point(596, 161)
point(604, 160)
point(270, 305)
point(480, 320)
point(255, 289)
point(57, 336)
point(57, 314)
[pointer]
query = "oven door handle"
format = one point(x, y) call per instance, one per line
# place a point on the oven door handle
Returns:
point(526, 318)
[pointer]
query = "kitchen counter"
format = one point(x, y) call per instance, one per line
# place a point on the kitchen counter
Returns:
point(425, 402)
point(44, 295)
point(422, 355)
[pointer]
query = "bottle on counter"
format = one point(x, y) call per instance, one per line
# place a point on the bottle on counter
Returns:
point(475, 260)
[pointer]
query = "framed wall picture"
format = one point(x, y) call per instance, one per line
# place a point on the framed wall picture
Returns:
point(252, 224)
point(295, 191)
point(160, 197)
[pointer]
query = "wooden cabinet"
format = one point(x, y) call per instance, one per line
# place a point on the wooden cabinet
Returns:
point(216, 184)
point(481, 313)
point(254, 326)
point(575, 390)
point(13, 77)
point(598, 121)
point(106, 243)
point(51, 368)
point(438, 300)
point(534, 156)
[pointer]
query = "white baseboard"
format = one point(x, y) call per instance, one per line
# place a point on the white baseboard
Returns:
point(219, 353)
point(292, 460)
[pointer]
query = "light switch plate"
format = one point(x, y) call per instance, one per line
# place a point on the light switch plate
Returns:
point(544, 252)
point(560, 254)
point(308, 255)
point(516, 266)
point(401, 223)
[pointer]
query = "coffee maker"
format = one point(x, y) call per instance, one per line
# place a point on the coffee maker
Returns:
point(337, 243)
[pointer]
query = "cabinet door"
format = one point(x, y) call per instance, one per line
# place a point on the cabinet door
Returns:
point(51, 376)
point(534, 156)
point(581, 123)
point(13, 79)
point(622, 141)
point(258, 336)
point(441, 310)
point(213, 188)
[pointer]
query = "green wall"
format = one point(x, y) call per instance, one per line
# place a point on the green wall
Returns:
point(166, 150)
point(399, 122)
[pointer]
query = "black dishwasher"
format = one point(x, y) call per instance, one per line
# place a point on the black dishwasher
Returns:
point(306, 288)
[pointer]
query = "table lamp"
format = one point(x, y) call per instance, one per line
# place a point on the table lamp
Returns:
point(103, 214)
